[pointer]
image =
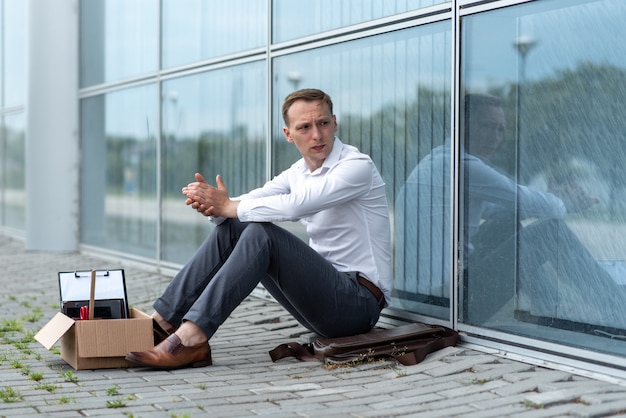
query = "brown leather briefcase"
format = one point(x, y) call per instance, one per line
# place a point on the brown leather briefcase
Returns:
point(408, 344)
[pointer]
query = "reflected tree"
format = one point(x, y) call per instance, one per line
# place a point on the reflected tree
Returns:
point(574, 123)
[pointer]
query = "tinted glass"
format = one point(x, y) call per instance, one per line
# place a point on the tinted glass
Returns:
point(12, 53)
point(119, 207)
point(213, 123)
point(195, 30)
point(118, 39)
point(13, 75)
point(12, 172)
point(544, 201)
point(294, 19)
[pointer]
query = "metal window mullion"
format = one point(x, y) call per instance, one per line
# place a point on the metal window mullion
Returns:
point(159, 144)
point(269, 146)
point(455, 178)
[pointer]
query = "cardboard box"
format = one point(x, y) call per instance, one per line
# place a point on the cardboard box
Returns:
point(98, 343)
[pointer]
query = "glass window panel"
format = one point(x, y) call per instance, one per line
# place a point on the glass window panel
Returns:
point(213, 123)
point(12, 173)
point(391, 97)
point(544, 204)
point(118, 39)
point(325, 15)
point(195, 30)
point(119, 207)
point(12, 53)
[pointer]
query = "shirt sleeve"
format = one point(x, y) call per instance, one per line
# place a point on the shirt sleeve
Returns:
point(278, 185)
point(307, 194)
point(492, 186)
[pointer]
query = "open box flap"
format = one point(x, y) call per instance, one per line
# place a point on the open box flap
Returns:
point(54, 330)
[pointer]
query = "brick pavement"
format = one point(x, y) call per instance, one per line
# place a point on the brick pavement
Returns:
point(243, 381)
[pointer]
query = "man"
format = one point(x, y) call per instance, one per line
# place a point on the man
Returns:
point(335, 286)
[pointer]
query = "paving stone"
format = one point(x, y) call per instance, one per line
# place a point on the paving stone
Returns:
point(601, 410)
point(560, 396)
point(497, 412)
point(596, 398)
point(551, 411)
point(528, 381)
point(469, 389)
point(459, 364)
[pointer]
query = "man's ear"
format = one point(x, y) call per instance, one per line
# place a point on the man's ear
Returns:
point(287, 134)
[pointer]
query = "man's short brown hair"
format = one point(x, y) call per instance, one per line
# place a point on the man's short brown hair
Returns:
point(308, 95)
point(476, 103)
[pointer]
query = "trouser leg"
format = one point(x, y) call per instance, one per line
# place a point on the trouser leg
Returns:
point(192, 279)
point(579, 289)
point(237, 256)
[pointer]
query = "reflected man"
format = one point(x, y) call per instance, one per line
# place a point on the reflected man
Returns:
point(501, 259)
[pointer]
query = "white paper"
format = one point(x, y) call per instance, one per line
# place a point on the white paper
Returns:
point(76, 285)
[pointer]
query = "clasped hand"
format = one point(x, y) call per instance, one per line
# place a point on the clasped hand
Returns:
point(210, 200)
point(575, 198)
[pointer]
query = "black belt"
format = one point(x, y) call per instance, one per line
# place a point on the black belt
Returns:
point(373, 290)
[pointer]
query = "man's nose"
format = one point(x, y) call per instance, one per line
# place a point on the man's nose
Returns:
point(316, 133)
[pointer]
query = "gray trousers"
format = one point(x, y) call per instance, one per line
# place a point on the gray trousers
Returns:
point(237, 256)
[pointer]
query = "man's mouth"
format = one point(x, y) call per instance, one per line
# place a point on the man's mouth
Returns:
point(319, 147)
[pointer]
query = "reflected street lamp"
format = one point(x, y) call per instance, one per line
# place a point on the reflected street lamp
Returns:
point(172, 98)
point(523, 44)
point(294, 78)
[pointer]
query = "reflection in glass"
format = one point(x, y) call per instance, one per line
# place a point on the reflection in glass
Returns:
point(118, 39)
point(13, 53)
point(213, 123)
point(391, 97)
point(325, 15)
point(196, 30)
point(119, 207)
point(12, 117)
point(12, 173)
point(555, 274)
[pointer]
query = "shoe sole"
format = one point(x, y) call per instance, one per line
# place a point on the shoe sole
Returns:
point(200, 363)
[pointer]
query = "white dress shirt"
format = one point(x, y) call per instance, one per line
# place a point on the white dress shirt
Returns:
point(343, 206)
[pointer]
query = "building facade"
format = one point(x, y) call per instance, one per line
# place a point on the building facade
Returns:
point(496, 126)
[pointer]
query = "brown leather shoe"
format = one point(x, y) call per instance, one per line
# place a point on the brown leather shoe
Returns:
point(171, 354)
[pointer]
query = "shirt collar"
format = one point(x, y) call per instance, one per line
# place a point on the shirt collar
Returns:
point(331, 160)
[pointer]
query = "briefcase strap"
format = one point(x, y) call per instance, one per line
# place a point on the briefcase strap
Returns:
point(293, 349)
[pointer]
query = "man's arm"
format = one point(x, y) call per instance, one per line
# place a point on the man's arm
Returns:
point(492, 186)
point(344, 182)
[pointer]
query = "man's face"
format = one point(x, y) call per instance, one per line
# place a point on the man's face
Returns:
point(312, 129)
point(486, 131)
